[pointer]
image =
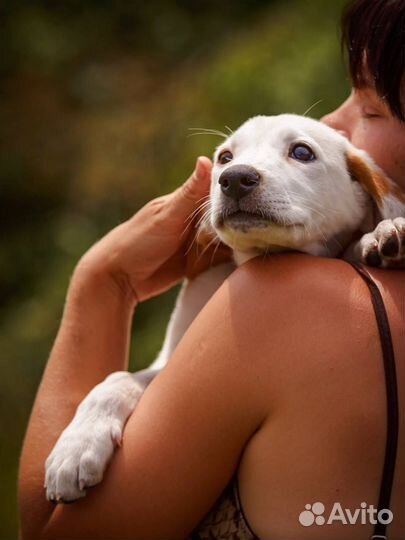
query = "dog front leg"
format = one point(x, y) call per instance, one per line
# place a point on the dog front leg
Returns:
point(384, 247)
point(85, 447)
point(192, 297)
point(82, 452)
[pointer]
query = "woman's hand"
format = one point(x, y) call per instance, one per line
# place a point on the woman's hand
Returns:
point(146, 255)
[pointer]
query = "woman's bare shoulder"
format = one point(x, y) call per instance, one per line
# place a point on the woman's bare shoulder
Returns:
point(324, 280)
point(310, 307)
point(292, 281)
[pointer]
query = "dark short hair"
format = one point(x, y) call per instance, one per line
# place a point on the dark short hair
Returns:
point(374, 37)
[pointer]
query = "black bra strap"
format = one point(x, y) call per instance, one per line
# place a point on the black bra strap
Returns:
point(392, 398)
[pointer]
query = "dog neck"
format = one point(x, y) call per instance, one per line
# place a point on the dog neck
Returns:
point(241, 257)
point(333, 247)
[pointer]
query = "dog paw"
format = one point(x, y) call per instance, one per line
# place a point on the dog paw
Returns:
point(385, 246)
point(85, 447)
point(80, 457)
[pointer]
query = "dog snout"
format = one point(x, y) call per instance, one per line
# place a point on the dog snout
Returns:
point(238, 181)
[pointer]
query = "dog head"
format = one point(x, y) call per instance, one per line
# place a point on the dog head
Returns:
point(291, 182)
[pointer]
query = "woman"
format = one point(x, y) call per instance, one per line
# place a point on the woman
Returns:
point(277, 390)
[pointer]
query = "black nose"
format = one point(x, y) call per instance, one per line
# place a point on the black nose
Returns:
point(238, 181)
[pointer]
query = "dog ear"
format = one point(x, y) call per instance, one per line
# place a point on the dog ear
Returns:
point(387, 196)
point(206, 250)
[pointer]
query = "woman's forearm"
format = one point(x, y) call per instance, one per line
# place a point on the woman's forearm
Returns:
point(137, 260)
point(92, 342)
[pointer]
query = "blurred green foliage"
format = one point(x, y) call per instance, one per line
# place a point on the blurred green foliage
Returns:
point(96, 101)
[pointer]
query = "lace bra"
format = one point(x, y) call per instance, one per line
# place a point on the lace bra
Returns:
point(226, 520)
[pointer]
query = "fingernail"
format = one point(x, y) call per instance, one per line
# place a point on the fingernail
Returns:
point(199, 169)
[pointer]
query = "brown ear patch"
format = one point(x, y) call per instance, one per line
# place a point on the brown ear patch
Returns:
point(373, 181)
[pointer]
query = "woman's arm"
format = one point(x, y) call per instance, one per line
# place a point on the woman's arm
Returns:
point(92, 342)
point(138, 259)
point(183, 443)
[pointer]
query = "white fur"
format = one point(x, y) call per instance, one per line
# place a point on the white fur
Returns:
point(317, 206)
point(318, 200)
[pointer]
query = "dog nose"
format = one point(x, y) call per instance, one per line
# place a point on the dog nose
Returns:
point(238, 181)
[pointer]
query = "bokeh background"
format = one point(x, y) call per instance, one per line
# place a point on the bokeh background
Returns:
point(96, 102)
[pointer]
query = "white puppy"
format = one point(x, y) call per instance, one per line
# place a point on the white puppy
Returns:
point(278, 183)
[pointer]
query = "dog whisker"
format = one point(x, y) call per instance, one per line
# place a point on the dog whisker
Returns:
point(206, 131)
point(189, 220)
point(312, 107)
point(200, 226)
point(215, 251)
point(202, 206)
point(195, 239)
point(204, 219)
point(195, 212)
point(205, 248)
point(204, 203)
point(203, 198)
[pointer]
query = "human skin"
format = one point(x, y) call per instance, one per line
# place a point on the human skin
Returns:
point(288, 348)
point(366, 120)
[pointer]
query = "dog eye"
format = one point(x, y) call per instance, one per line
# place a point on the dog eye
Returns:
point(225, 157)
point(301, 152)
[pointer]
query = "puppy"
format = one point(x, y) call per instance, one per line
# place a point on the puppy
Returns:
point(278, 183)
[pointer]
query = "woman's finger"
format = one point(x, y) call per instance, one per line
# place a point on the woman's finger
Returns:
point(191, 194)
